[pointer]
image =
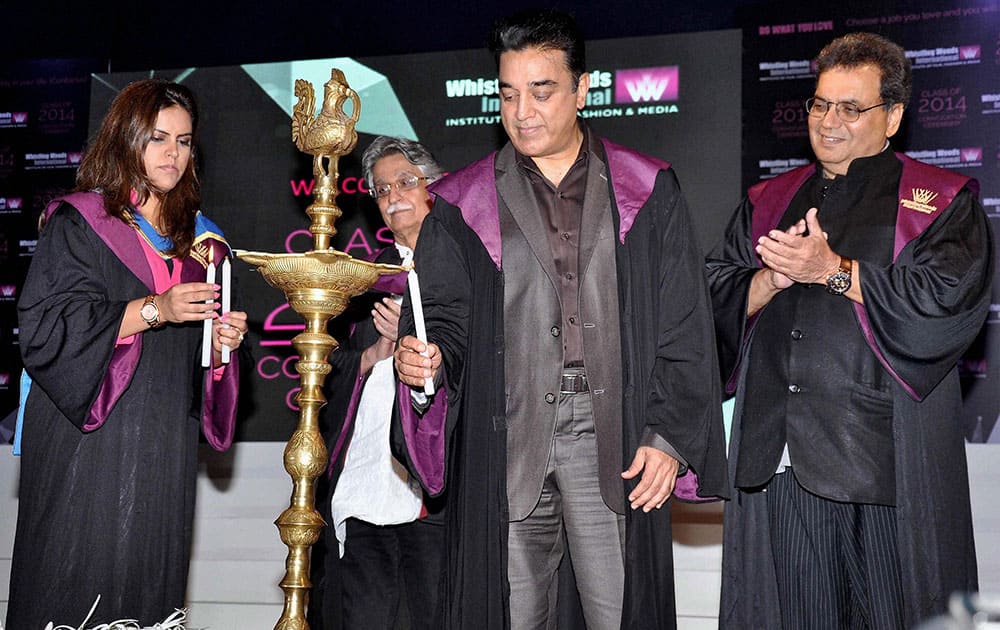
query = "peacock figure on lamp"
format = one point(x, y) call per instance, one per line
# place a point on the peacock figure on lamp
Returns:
point(318, 284)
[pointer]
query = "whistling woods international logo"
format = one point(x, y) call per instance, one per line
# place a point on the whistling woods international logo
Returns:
point(945, 56)
point(972, 155)
point(990, 103)
point(776, 166)
point(646, 85)
point(8, 292)
point(969, 53)
point(10, 204)
point(13, 120)
point(612, 94)
point(43, 161)
point(966, 157)
point(786, 69)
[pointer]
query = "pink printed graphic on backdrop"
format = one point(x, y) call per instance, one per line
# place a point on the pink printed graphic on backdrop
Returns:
point(972, 154)
point(646, 85)
point(969, 52)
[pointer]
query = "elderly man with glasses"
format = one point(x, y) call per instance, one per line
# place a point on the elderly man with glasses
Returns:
point(844, 294)
point(384, 537)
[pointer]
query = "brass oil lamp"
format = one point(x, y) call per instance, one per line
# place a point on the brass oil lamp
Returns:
point(318, 285)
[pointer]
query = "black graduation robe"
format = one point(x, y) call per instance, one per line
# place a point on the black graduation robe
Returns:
point(110, 441)
point(919, 314)
point(667, 379)
point(343, 390)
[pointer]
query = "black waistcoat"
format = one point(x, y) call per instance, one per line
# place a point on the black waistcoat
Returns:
point(812, 379)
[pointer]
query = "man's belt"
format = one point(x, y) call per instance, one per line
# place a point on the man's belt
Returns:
point(574, 383)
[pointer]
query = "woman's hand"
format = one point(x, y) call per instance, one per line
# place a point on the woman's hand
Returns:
point(184, 302)
point(188, 302)
point(229, 330)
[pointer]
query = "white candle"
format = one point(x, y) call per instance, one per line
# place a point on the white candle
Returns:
point(418, 321)
point(206, 335)
point(227, 288)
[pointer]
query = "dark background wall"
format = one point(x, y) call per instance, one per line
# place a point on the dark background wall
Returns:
point(140, 35)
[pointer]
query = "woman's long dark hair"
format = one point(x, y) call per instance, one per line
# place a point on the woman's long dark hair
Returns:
point(113, 163)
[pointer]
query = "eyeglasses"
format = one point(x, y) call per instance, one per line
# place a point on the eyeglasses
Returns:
point(404, 183)
point(846, 111)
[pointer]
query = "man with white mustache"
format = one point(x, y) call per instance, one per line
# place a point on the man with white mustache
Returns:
point(384, 538)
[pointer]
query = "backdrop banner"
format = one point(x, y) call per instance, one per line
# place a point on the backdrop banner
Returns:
point(43, 125)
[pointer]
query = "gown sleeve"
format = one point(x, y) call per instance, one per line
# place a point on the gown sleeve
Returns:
point(421, 439)
point(68, 322)
point(731, 266)
point(927, 307)
point(683, 405)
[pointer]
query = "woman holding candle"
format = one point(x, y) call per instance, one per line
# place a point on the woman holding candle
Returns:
point(111, 332)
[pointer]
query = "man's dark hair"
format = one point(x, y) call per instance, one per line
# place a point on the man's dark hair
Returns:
point(868, 49)
point(545, 29)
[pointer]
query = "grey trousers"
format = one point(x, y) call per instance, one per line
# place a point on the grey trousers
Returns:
point(570, 510)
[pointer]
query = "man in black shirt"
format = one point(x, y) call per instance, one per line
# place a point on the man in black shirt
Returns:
point(844, 293)
point(569, 329)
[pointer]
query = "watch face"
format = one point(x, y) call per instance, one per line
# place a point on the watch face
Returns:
point(838, 283)
point(149, 312)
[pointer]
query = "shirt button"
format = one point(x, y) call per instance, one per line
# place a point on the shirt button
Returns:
point(796, 334)
point(550, 398)
point(569, 276)
point(795, 389)
point(555, 331)
point(565, 236)
point(572, 320)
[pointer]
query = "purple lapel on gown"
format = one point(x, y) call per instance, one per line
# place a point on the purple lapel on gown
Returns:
point(633, 176)
point(121, 239)
point(425, 435)
point(771, 199)
point(219, 409)
point(472, 191)
point(909, 225)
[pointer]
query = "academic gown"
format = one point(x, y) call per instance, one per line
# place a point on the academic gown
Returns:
point(667, 380)
point(920, 313)
point(110, 439)
point(343, 390)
